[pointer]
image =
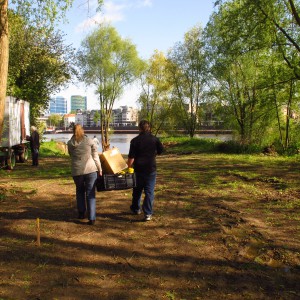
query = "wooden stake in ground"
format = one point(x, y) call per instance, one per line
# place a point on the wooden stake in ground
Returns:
point(38, 233)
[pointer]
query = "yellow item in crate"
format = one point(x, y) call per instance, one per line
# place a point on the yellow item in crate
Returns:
point(130, 170)
point(127, 170)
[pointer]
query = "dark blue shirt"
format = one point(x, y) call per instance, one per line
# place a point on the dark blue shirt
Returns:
point(144, 148)
point(34, 141)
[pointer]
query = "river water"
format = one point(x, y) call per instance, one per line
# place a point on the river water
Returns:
point(122, 141)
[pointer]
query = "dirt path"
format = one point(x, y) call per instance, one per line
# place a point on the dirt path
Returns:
point(217, 233)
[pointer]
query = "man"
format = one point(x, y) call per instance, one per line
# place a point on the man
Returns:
point(142, 156)
point(96, 141)
point(34, 139)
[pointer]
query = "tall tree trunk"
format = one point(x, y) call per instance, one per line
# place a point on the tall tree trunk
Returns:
point(278, 118)
point(288, 116)
point(3, 59)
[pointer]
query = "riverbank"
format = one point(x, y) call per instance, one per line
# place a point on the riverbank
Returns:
point(208, 131)
point(135, 130)
point(122, 141)
point(225, 227)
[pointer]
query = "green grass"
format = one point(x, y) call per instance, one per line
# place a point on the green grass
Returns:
point(51, 148)
point(47, 150)
point(187, 145)
point(183, 145)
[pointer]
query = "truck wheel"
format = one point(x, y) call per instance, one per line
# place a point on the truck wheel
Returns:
point(23, 156)
point(11, 160)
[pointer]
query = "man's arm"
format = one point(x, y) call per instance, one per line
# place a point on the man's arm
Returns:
point(159, 147)
point(130, 162)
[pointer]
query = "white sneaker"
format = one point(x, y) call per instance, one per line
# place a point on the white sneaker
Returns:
point(148, 217)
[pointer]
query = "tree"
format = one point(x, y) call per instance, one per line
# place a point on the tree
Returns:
point(43, 12)
point(275, 21)
point(3, 59)
point(39, 63)
point(55, 120)
point(187, 68)
point(155, 97)
point(96, 117)
point(269, 32)
point(109, 63)
point(286, 103)
point(236, 68)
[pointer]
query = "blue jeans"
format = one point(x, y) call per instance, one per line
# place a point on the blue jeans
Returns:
point(145, 182)
point(85, 194)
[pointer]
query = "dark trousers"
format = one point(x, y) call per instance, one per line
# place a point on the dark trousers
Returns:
point(35, 157)
point(146, 184)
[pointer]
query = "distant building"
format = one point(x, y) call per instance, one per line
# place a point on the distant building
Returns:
point(79, 118)
point(78, 102)
point(125, 116)
point(69, 119)
point(58, 105)
point(87, 118)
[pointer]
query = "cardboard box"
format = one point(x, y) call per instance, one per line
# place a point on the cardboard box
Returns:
point(116, 182)
point(112, 161)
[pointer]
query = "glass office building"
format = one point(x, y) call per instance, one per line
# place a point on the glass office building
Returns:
point(78, 103)
point(58, 105)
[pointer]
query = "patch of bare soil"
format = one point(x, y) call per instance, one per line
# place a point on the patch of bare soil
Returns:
point(215, 235)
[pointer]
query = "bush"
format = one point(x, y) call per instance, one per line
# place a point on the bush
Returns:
point(293, 149)
point(185, 145)
point(235, 147)
point(53, 148)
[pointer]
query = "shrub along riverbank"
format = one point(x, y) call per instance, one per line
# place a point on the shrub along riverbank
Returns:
point(186, 145)
point(183, 145)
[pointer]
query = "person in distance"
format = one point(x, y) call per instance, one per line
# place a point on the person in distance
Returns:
point(34, 140)
point(96, 141)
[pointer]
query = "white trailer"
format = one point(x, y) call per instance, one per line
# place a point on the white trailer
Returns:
point(13, 144)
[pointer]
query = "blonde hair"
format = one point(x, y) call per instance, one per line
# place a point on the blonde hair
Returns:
point(78, 132)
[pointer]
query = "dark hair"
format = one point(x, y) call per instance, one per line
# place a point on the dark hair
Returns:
point(144, 126)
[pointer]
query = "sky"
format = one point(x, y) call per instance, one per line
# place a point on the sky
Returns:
point(149, 24)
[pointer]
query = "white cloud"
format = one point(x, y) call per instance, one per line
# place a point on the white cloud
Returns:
point(110, 13)
point(113, 12)
point(143, 3)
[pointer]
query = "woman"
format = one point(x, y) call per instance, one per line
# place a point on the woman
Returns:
point(86, 167)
